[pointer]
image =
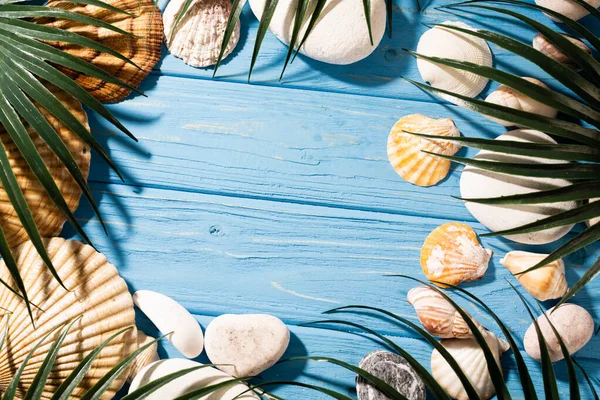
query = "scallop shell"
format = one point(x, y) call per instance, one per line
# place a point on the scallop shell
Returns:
point(568, 8)
point(446, 43)
point(438, 316)
point(593, 221)
point(405, 151)
point(544, 283)
point(146, 357)
point(451, 254)
point(469, 356)
point(542, 44)
point(97, 293)
point(46, 215)
point(144, 50)
point(199, 34)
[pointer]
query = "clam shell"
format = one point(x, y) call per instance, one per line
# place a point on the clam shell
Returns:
point(46, 215)
point(445, 43)
point(509, 97)
point(472, 362)
point(144, 50)
point(542, 44)
point(199, 35)
point(97, 293)
point(568, 8)
point(451, 254)
point(146, 357)
point(405, 151)
point(438, 316)
point(544, 283)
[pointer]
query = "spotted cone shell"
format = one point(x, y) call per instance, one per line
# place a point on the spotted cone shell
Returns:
point(144, 50)
point(97, 293)
point(47, 217)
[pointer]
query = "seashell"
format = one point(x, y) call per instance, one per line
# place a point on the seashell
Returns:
point(509, 97)
point(451, 254)
point(469, 356)
point(97, 293)
point(48, 218)
point(146, 357)
point(544, 283)
point(199, 35)
point(568, 8)
point(593, 221)
point(405, 151)
point(446, 43)
point(438, 316)
point(170, 316)
point(542, 44)
point(144, 50)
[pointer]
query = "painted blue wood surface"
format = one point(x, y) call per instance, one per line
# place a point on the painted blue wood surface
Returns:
point(278, 198)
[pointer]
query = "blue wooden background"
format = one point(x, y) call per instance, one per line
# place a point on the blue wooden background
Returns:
point(278, 197)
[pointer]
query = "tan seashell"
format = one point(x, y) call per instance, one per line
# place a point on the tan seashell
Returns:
point(568, 8)
point(144, 51)
point(199, 34)
point(451, 254)
point(46, 215)
point(97, 293)
point(146, 357)
point(544, 283)
point(469, 356)
point(509, 97)
point(405, 151)
point(438, 316)
point(542, 44)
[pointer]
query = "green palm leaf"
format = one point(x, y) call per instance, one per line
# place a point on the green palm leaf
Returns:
point(201, 393)
point(234, 17)
point(263, 26)
point(367, 11)
point(329, 392)
point(587, 277)
point(299, 17)
point(587, 379)
point(319, 6)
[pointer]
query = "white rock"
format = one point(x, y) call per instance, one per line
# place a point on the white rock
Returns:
point(593, 221)
point(572, 322)
point(251, 343)
point(567, 8)
point(340, 36)
point(477, 183)
point(195, 380)
point(170, 316)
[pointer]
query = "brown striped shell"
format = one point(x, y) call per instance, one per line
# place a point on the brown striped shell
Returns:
point(97, 293)
point(48, 218)
point(144, 51)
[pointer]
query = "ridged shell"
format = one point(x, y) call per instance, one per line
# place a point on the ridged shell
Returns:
point(568, 8)
point(544, 283)
point(47, 217)
point(451, 254)
point(405, 151)
point(470, 358)
point(542, 44)
point(199, 34)
point(593, 221)
point(509, 97)
point(97, 293)
point(146, 357)
point(438, 316)
point(144, 51)
point(446, 43)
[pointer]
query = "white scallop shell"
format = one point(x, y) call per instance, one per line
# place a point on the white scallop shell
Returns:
point(567, 8)
point(446, 43)
point(199, 35)
point(146, 357)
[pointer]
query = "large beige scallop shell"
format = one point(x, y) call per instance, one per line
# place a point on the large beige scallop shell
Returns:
point(445, 43)
point(144, 49)
point(544, 283)
point(451, 254)
point(199, 35)
point(543, 45)
point(146, 357)
point(405, 151)
point(46, 215)
point(472, 362)
point(97, 293)
point(438, 316)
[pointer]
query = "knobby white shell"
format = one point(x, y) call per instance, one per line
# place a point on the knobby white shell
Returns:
point(170, 316)
point(568, 8)
point(446, 43)
point(543, 45)
point(146, 357)
point(470, 358)
point(199, 35)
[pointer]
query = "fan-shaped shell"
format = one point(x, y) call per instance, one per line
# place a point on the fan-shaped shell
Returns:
point(199, 35)
point(446, 43)
point(47, 217)
point(568, 8)
point(144, 50)
point(405, 151)
point(542, 44)
point(451, 254)
point(437, 315)
point(544, 283)
point(146, 357)
point(97, 293)
point(472, 362)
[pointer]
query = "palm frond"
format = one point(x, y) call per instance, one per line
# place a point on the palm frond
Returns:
point(299, 18)
point(263, 26)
